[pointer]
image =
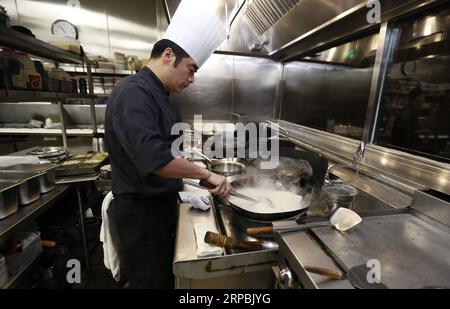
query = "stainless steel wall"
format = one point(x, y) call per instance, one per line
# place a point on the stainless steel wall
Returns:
point(314, 93)
point(227, 84)
point(105, 26)
point(255, 81)
point(211, 93)
point(303, 82)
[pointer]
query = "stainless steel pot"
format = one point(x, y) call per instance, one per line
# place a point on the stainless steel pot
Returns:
point(226, 167)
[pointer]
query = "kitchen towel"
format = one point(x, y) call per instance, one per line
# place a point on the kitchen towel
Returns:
point(204, 249)
point(200, 199)
point(110, 247)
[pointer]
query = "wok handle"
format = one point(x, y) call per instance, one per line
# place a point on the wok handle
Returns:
point(291, 227)
point(253, 231)
point(325, 272)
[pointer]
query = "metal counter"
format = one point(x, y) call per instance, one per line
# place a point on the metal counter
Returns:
point(413, 253)
point(239, 270)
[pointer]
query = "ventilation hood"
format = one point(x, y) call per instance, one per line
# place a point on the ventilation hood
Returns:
point(262, 27)
point(289, 29)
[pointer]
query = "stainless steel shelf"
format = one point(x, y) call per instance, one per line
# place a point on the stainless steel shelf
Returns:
point(31, 211)
point(42, 131)
point(39, 96)
point(14, 39)
point(96, 71)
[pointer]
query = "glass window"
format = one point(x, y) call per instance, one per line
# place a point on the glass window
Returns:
point(329, 90)
point(415, 108)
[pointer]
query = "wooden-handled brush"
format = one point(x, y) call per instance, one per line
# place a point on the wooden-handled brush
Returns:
point(231, 243)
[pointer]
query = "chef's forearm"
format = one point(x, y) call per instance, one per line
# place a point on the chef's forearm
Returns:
point(181, 168)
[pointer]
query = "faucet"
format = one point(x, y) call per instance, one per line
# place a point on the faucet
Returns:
point(357, 157)
point(285, 132)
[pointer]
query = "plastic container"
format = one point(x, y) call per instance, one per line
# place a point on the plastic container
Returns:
point(65, 43)
point(34, 80)
point(14, 76)
point(26, 248)
point(3, 271)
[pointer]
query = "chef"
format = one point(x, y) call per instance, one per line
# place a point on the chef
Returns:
point(145, 174)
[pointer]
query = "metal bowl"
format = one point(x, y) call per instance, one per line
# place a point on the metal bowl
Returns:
point(226, 167)
point(47, 152)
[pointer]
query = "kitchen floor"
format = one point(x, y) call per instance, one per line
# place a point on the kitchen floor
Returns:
point(100, 277)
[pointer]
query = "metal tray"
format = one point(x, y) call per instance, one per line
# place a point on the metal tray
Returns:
point(46, 180)
point(29, 188)
point(80, 168)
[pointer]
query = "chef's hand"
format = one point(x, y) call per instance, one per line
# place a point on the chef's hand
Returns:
point(222, 187)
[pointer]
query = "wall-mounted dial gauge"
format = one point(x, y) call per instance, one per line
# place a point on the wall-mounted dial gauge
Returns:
point(65, 28)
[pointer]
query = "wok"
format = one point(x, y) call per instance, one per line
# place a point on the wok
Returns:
point(279, 211)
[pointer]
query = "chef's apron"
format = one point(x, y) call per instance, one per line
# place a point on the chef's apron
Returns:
point(146, 238)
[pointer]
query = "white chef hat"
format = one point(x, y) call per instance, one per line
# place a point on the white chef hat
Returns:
point(196, 29)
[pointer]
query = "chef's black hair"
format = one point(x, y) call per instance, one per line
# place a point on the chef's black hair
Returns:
point(161, 46)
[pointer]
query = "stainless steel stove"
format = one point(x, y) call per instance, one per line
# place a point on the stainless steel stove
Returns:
point(411, 252)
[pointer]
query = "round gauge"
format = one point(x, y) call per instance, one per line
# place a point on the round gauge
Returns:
point(408, 68)
point(65, 28)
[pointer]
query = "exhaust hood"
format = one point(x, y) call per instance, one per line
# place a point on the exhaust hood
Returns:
point(262, 27)
point(291, 29)
point(263, 14)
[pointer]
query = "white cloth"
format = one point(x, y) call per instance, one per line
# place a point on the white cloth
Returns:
point(204, 249)
point(110, 253)
point(199, 199)
point(196, 29)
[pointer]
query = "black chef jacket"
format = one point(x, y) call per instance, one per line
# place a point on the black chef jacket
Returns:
point(138, 123)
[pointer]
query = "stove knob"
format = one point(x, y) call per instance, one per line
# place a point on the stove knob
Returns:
point(285, 278)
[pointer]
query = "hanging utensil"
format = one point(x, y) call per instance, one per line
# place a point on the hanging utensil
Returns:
point(342, 219)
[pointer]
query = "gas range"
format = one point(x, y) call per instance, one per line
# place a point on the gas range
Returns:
point(234, 224)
